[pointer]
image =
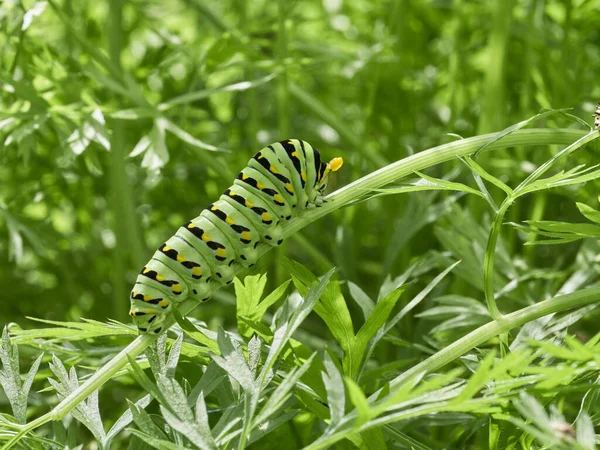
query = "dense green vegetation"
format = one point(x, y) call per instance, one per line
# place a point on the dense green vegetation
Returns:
point(445, 302)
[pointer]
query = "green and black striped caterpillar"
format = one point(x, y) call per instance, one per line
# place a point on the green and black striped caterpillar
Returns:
point(279, 182)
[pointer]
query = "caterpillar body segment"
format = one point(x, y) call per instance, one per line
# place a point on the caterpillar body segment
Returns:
point(289, 154)
point(249, 179)
point(236, 228)
point(223, 254)
point(270, 166)
point(181, 257)
point(279, 182)
point(254, 206)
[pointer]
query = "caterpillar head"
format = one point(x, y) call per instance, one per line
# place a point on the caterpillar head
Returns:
point(324, 170)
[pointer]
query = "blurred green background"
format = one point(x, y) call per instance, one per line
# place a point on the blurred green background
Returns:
point(194, 88)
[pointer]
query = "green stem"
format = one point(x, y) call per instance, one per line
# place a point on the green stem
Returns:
point(341, 197)
point(101, 376)
point(488, 262)
point(453, 351)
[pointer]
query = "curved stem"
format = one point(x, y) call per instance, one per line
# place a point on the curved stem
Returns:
point(336, 200)
point(488, 262)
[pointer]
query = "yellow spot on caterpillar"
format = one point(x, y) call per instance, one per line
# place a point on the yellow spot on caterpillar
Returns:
point(197, 271)
point(266, 216)
point(180, 258)
point(151, 311)
point(160, 277)
point(221, 253)
point(164, 303)
point(273, 169)
point(245, 177)
point(147, 298)
point(303, 175)
point(295, 154)
point(166, 248)
point(335, 164)
point(289, 188)
point(214, 208)
point(260, 185)
point(146, 269)
point(249, 204)
point(205, 237)
point(191, 225)
point(278, 198)
point(246, 235)
point(229, 221)
point(176, 288)
point(290, 142)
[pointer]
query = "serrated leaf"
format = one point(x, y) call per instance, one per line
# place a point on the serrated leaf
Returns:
point(142, 379)
point(234, 363)
point(143, 420)
point(127, 417)
point(173, 359)
point(189, 430)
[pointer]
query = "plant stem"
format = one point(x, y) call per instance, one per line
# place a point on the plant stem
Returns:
point(101, 376)
point(336, 200)
point(488, 262)
point(450, 353)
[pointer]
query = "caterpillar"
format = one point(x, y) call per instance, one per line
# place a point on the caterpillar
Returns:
point(278, 183)
point(596, 117)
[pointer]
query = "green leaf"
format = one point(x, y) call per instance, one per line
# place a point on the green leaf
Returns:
point(192, 331)
point(134, 114)
point(334, 384)
point(128, 416)
point(476, 168)
point(374, 322)
point(359, 400)
point(286, 329)
point(144, 421)
point(159, 444)
point(234, 363)
point(428, 183)
point(179, 415)
point(361, 299)
point(589, 212)
point(210, 380)
point(283, 392)
point(142, 379)
point(205, 93)
point(186, 137)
